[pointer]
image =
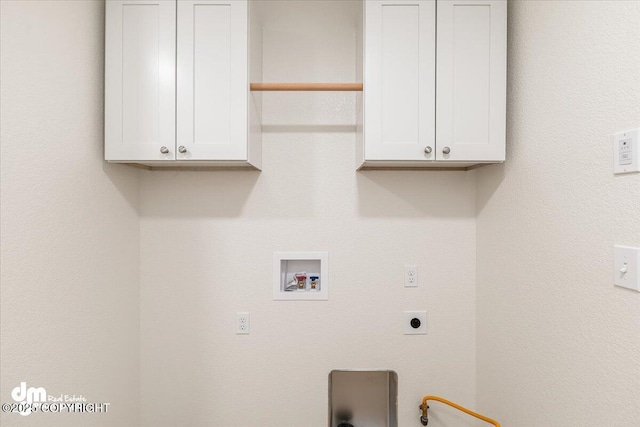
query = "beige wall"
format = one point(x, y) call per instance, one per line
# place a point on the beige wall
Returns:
point(558, 344)
point(69, 222)
point(208, 240)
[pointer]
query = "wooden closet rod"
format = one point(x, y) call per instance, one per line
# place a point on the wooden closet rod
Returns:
point(306, 87)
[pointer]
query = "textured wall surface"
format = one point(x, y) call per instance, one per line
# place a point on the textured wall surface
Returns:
point(69, 229)
point(558, 344)
point(208, 240)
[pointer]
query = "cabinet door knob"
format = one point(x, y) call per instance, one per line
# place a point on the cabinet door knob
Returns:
point(427, 150)
point(182, 149)
point(446, 150)
point(164, 150)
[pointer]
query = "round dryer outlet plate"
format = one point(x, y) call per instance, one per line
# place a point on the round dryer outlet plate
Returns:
point(415, 323)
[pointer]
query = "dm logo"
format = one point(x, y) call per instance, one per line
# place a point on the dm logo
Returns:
point(28, 396)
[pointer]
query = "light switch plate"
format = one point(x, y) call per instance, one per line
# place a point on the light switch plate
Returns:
point(625, 267)
point(625, 152)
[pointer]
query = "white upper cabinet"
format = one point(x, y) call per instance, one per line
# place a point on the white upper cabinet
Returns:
point(178, 72)
point(434, 83)
point(177, 88)
point(400, 58)
point(212, 80)
point(471, 83)
point(140, 87)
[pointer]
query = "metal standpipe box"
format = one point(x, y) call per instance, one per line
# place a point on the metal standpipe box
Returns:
point(363, 398)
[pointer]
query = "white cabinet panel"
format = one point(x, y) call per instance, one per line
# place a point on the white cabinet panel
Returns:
point(140, 76)
point(400, 74)
point(212, 80)
point(140, 80)
point(399, 79)
point(471, 76)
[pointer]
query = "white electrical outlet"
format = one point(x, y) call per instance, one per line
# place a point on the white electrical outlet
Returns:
point(410, 276)
point(242, 323)
point(415, 323)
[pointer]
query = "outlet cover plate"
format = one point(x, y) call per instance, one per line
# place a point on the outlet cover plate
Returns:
point(410, 276)
point(410, 330)
point(242, 323)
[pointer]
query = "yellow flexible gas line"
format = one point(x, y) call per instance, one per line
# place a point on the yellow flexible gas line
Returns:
point(425, 407)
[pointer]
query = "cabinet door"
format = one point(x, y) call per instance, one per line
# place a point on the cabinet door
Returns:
point(140, 80)
point(471, 85)
point(399, 81)
point(212, 79)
